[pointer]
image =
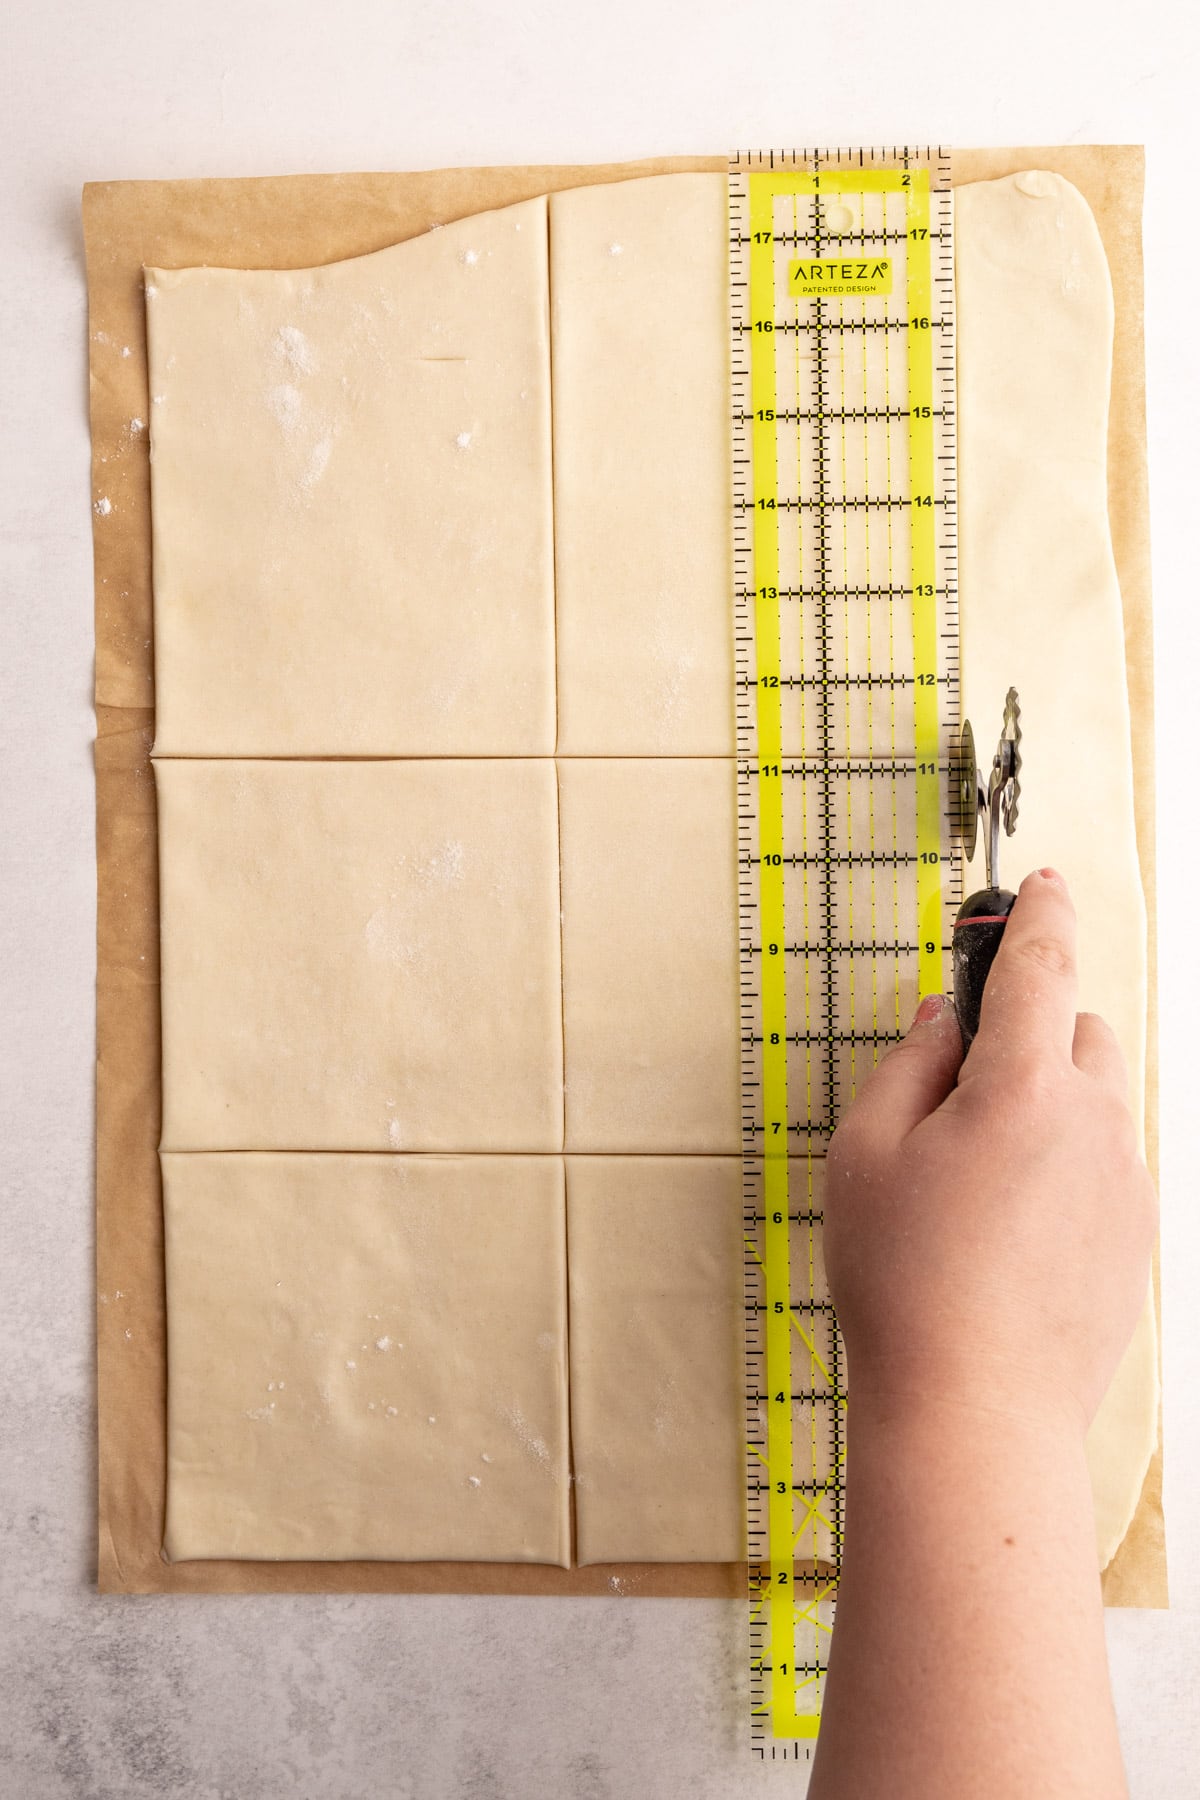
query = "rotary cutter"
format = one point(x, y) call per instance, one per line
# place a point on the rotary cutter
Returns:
point(982, 917)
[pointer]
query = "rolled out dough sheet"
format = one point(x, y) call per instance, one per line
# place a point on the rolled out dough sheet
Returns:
point(368, 1357)
point(360, 955)
point(1042, 610)
point(353, 533)
point(1118, 1467)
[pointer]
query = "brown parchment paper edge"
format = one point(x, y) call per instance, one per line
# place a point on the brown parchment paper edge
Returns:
point(296, 221)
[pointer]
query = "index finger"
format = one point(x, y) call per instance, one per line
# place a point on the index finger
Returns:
point(1030, 995)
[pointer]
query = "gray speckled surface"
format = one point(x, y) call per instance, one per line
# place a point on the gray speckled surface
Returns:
point(450, 1699)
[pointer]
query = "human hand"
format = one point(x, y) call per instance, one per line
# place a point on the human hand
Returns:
point(989, 1221)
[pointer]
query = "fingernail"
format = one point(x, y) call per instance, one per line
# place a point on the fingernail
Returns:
point(1052, 875)
point(929, 1008)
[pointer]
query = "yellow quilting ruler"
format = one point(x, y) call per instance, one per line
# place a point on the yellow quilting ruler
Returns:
point(846, 628)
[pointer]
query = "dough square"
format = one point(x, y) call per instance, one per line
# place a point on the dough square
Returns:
point(360, 955)
point(650, 965)
point(643, 549)
point(367, 1358)
point(352, 501)
point(657, 1426)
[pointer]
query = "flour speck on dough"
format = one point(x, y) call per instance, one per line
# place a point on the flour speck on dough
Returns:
point(103, 506)
point(444, 867)
point(529, 1440)
point(295, 350)
point(283, 404)
point(318, 462)
point(388, 941)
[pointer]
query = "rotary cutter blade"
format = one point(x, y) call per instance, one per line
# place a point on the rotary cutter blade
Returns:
point(1010, 746)
point(967, 817)
point(982, 917)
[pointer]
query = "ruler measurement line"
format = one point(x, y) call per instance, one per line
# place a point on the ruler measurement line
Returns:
point(824, 326)
point(839, 1037)
point(835, 503)
point(784, 416)
point(855, 237)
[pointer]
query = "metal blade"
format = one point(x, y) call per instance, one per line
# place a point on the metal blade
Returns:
point(967, 777)
point(1010, 744)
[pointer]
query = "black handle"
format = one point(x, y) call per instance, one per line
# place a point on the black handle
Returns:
point(977, 934)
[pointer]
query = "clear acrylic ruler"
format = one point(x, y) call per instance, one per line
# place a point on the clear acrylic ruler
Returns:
point(846, 626)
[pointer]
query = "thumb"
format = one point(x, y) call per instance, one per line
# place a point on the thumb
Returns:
point(915, 1077)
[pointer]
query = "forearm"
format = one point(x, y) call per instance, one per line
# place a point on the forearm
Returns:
point(968, 1660)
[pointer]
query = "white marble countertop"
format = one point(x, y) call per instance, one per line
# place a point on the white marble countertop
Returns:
point(335, 1699)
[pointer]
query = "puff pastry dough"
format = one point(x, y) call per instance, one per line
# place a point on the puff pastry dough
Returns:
point(649, 916)
point(353, 532)
point(367, 1357)
point(657, 1375)
point(1041, 609)
point(353, 509)
point(360, 955)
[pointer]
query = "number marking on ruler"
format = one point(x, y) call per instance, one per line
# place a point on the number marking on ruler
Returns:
point(815, 714)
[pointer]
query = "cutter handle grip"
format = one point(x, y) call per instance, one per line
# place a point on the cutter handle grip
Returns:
point(978, 931)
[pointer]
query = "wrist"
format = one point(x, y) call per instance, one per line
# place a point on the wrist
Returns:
point(945, 1483)
point(965, 1382)
point(896, 1413)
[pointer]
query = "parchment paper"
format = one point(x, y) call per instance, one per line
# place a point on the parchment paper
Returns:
point(294, 222)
